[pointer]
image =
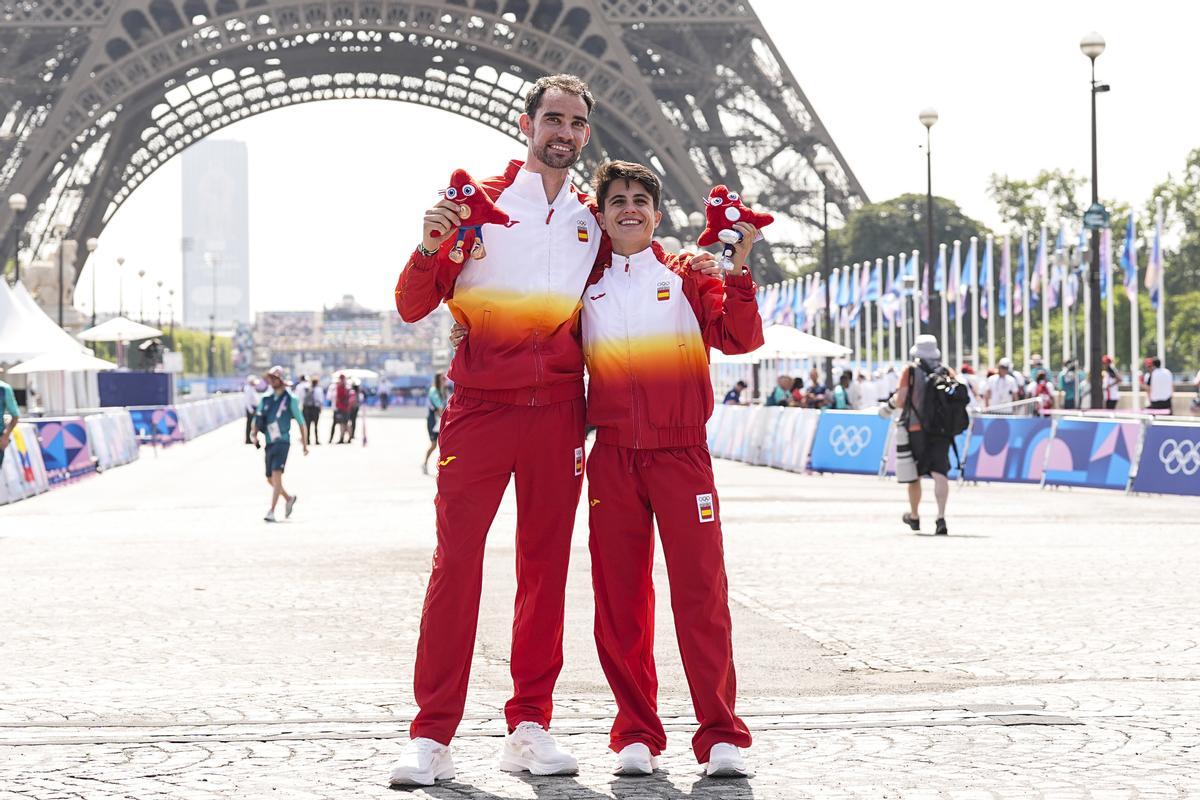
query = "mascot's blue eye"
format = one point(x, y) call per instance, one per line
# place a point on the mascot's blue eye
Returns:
point(468, 190)
point(451, 193)
point(716, 201)
point(733, 197)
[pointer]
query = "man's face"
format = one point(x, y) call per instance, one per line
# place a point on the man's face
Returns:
point(1003, 370)
point(275, 383)
point(629, 216)
point(558, 130)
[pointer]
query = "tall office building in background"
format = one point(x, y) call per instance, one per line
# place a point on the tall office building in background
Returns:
point(216, 234)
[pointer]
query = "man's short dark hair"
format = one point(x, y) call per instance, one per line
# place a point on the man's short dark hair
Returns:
point(611, 171)
point(741, 384)
point(1157, 363)
point(564, 83)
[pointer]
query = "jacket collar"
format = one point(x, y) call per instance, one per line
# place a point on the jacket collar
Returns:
point(529, 184)
point(654, 255)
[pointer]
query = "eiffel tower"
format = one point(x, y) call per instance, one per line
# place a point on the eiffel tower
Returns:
point(95, 95)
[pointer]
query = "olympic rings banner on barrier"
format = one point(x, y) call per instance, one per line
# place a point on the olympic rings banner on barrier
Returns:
point(65, 451)
point(850, 441)
point(1094, 453)
point(1007, 449)
point(1170, 461)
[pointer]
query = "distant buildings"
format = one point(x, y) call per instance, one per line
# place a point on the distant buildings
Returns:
point(349, 335)
point(216, 234)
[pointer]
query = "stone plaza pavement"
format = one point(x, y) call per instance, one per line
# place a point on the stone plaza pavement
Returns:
point(158, 640)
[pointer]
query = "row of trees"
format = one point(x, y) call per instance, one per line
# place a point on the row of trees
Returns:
point(1054, 197)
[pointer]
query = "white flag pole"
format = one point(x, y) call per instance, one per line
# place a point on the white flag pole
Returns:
point(975, 309)
point(945, 340)
point(991, 302)
point(1106, 268)
point(855, 347)
point(1045, 278)
point(1060, 258)
point(902, 316)
point(891, 271)
point(956, 266)
point(1161, 322)
point(1006, 276)
point(918, 295)
point(1025, 300)
point(879, 311)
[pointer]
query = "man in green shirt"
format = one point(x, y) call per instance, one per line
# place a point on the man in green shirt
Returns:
point(276, 412)
point(8, 408)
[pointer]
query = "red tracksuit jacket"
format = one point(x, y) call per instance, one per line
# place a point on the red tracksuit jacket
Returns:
point(648, 321)
point(521, 303)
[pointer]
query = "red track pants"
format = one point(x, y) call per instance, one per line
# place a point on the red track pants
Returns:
point(481, 444)
point(626, 488)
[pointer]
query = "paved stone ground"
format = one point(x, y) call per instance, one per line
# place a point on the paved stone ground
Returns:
point(158, 640)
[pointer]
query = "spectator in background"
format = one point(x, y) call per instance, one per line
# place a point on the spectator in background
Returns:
point(891, 380)
point(251, 396)
point(816, 394)
point(1034, 366)
point(385, 393)
point(797, 391)
point(8, 408)
point(868, 392)
point(341, 409)
point(1043, 393)
point(1068, 384)
point(841, 392)
point(357, 396)
point(1195, 409)
point(436, 403)
point(1110, 381)
point(734, 396)
point(968, 378)
point(314, 399)
point(781, 395)
point(1162, 385)
point(1001, 389)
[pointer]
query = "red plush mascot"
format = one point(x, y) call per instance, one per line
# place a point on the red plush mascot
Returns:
point(724, 208)
point(475, 209)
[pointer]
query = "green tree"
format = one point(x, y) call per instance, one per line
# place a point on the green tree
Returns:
point(1181, 207)
point(1051, 197)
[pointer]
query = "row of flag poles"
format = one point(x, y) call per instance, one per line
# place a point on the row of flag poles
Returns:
point(886, 296)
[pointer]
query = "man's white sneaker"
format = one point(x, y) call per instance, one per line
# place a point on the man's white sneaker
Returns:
point(635, 759)
point(423, 762)
point(726, 761)
point(270, 516)
point(530, 748)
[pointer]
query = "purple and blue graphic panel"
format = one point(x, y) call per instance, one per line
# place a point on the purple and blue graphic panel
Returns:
point(158, 424)
point(1092, 453)
point(1007, 449)
point(1170, 462)
point(64, 446)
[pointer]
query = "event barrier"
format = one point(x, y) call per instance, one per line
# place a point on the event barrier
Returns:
point(23, 473)
point(770, 436)
point(112, 439)
point(1007, 449)
point(156, 424)
point(65, 450)
point(850, 441)
point(1170, 459)
point(1088, 452)
point(789, 442)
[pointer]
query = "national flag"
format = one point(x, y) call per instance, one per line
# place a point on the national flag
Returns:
point(925, 294)
point(985, 280)
point(1070, 288)
point(783, 312)
point(799, 295)
point(1018, 300)
point(843, 295)
point(864, 282)
point(873, 286)
point(1155, 265)
point(967, 279)
point(889, 303)
point(1054, 287)
point(1129, 262)
point(952, 280)
point(1105, 262)
point(1005, 279)
point(939, 272)
point(1039, 271)
point(831, 297)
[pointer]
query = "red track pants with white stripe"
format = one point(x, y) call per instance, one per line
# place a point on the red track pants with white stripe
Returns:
point(481, 445)
point(628, 488)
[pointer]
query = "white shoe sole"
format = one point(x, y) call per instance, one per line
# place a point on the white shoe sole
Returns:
point(515, 764)
point(728, 771)
point(634, 769)
point(398, 778)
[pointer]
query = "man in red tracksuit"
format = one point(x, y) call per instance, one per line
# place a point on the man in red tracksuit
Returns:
point(517, 408)
point(648, 322)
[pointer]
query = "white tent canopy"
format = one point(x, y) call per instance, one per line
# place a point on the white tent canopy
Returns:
point(784, 341)
point(119, 329)
point(25, 330)
point(62, 361)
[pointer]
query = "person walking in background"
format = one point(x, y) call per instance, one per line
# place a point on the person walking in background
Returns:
point(8, 408)
point(1068, 384)
point(341, 409)
point(435, 403)
point(841, 392)
point(1110, 382)
point(358, 396)
point(933, 410)
point(1162, 385)
point(384, 390)
point(274, 416)
point(314, 399)
point(734, 396)
point(781, 395)
point(251, 396)
point(1001, 389)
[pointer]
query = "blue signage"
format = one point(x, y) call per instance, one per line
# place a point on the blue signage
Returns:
point(849, 441)
point(1170, 462)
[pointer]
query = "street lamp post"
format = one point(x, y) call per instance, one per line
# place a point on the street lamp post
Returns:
point(826, 167)
point(211, 259)
point(92, 244)
point(120, 286)
point(171, 309)
point(60, 231)
point(1092, 46)
point(17, 202)
point(158, 304)
point(928, 117)
point(142, 296)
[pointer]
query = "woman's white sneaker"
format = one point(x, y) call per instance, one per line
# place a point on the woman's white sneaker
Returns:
point(422, 763)
point(530, 748)
point(635, 759)
point(726, 761)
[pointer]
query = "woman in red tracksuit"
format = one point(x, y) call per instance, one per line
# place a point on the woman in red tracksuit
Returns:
point(649, 318)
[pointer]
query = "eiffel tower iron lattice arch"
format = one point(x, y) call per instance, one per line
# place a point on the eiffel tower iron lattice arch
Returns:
point(103, 92)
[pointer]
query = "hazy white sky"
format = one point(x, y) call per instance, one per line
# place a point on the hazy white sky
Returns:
point(336, 188)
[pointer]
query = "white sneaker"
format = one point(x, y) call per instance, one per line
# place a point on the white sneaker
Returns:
point(635, 759)
point(423, 762)
point(288, 506)
point(530, 748)
point(726, 761)
point(270, 516)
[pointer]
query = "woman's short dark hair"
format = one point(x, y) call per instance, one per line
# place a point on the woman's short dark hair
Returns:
point(611, 171)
